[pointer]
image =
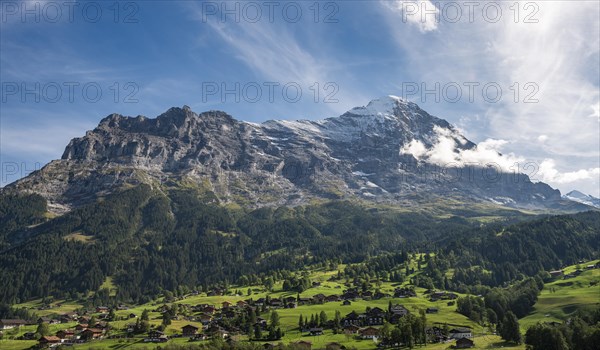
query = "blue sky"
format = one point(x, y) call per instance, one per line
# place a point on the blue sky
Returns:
point(146, 56)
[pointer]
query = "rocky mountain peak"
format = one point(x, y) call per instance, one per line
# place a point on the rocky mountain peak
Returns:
point(386, 106)
point(577, 196)
point(358, 154)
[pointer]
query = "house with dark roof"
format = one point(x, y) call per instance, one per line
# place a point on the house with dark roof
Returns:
point(464, 343)
point(316, 331)
point(303, 344)
point(375, 316)
point(399, 310)
point(44, 319)
point(318, 298)
point(29, 336)
point(102, 309)
point(369, 333)
point(66, 334)
point(379, 295)
point(332, 298)
point(81, 326)
point(9, 323)
point(189, 330)
point(404, 293)
point(351, 319)
point(155, 336)
point(304, 301)
point(92, 333)
point(435, 334)
point(49, 339)
point(275, 303)
point(350, 295)
point(351, 329)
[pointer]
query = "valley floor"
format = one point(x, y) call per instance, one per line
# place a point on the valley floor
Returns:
point(558, 300)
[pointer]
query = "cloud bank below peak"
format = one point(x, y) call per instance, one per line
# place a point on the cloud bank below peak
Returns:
point(446, 152)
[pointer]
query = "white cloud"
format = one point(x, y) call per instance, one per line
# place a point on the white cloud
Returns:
point(415, 148)
point(547, 172)
point(421, 13)
point(445, 152)
point(560, 54)
point(596, 109)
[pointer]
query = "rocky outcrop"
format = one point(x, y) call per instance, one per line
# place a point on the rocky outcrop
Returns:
point(358, 154)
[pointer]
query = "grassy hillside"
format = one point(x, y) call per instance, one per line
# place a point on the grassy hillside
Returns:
point(558, 300)
point(561, 298)
point(288, 317)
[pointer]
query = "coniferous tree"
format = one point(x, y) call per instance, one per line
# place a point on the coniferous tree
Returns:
point(257, 332)
point(337, 321)
point(323, 319)
point(274, 319)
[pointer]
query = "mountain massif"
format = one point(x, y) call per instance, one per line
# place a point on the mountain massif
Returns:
point(190, 200)
point(360, 154)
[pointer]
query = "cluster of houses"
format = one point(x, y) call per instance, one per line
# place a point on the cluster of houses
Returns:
point(210, 314)
point(212, 321)
point(361, 325)
point(560, 273)
point(189, 331)
point(348, 295)
point(82, 332)
point(435, 334)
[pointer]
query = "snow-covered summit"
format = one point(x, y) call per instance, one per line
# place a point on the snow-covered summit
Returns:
point(386, 106)
point(358, 154)
point(579, 197)
point(390, 119)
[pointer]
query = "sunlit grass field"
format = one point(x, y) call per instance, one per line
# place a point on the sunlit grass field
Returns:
point(562, 298)
point(558, 300)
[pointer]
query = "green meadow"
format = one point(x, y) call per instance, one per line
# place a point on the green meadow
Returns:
point(562, 298)
point(559, 299)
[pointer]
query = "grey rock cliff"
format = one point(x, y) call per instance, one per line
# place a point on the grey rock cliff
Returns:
point(356, 155)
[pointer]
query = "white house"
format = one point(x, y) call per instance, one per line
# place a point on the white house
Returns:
point(459, 333)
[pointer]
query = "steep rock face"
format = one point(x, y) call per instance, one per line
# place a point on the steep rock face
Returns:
point(358, 154)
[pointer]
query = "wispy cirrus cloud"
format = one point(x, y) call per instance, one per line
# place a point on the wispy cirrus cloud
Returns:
point(556, 51)
point(421, 13)
point(276, 52)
